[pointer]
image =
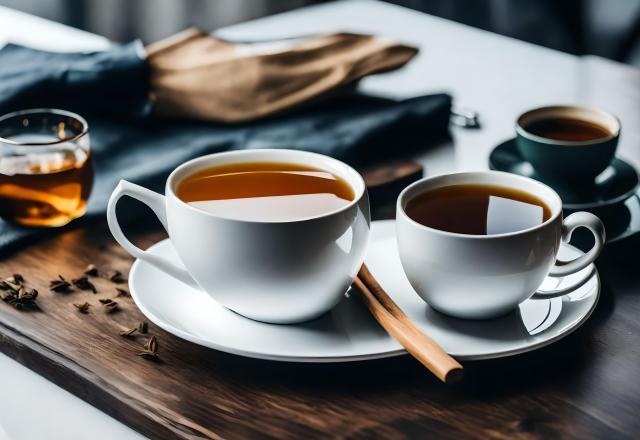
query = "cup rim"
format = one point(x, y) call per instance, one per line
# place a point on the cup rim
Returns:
point(522, 131)
point(359, 187)
point(55, 111)
point(400, 205)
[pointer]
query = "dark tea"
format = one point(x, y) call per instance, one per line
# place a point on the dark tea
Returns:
point(567, 129)
point(265, 191)
point(477, 209)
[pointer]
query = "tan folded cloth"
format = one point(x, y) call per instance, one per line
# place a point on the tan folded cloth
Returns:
point(194, 75)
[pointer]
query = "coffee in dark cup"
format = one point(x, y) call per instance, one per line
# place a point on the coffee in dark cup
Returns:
point(568, 143)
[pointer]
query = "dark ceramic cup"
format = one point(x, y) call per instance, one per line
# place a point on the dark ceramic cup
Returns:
point(568, 160)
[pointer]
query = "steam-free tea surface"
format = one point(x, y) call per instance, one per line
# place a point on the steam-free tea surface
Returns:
point(567, 129)
point(265, 191)
point(45, 189)
point(478, 209)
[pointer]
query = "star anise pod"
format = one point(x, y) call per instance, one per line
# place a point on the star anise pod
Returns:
point(84, 284)
point(83, 308)
point(142, 327)
point(59, 285)
point(91, 270)
point(18, 279)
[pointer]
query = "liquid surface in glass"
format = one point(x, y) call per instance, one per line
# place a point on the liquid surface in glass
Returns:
point(45, 187)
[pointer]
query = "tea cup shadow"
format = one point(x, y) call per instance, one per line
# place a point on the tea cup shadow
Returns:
point(345, 316)
point(509, 327)
point(567, 359)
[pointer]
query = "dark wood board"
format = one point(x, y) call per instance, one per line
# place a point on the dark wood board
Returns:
point(584, 386)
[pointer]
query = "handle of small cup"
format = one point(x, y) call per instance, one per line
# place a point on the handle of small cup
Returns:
point(571, 223)
point(157, 203)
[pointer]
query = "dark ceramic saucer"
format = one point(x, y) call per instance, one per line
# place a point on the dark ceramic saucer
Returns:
point(613, 195)
point(614, 185)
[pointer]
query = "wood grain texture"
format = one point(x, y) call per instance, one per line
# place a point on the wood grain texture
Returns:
point(386, 181)
point(584, 386)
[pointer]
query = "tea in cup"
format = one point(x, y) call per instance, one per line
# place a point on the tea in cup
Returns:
point(274, 235)
point(568, 143)
point(475, 245)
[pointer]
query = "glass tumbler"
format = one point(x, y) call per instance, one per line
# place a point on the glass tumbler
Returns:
point(46, 170)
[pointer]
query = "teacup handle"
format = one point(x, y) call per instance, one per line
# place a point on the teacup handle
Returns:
point(157, 203)
point(576, 220)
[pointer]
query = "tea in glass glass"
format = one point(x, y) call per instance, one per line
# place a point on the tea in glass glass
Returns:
point(46, 171)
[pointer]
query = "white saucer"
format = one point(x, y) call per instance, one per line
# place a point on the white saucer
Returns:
point(349, 333)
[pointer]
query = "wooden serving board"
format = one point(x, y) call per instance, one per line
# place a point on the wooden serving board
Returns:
point(191, 392)
point(571, 389)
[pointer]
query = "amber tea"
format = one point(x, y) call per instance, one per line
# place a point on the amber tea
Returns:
point(265, 191)
point(477, 209)
point(45, 190)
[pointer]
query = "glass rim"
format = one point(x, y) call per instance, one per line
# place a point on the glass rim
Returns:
point(55, 111)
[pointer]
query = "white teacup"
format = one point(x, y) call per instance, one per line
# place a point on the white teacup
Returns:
point(485, 276)
point(278, 272)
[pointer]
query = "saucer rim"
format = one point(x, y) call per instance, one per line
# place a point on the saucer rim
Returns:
point(231, 350)
point(628, 231)
point(351, 358)
point(575, 206)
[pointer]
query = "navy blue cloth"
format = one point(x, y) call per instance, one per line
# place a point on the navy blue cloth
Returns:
point(110, 90)
point(114, 82)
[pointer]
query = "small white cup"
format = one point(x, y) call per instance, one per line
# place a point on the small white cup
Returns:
point(485, 276)
point(277, 272)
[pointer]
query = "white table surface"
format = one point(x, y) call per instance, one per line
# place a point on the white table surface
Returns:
point(497, 76)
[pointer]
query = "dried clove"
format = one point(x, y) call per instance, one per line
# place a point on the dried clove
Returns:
point(8, 285)
point(83, 308)
point(150, 349)
point(128, 332)
point(91, 270)
point(116, 276)
point(84, 284)
point(110, 306)
point(59, 285)
point(18, 295)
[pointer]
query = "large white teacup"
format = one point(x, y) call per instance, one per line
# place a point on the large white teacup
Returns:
point(278, 272)
point(484, 276)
